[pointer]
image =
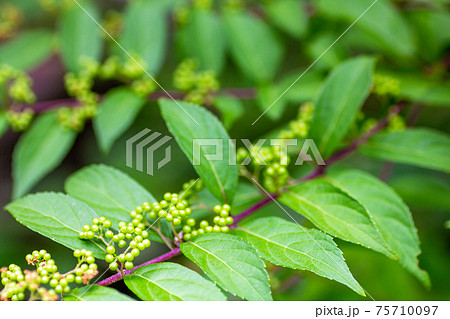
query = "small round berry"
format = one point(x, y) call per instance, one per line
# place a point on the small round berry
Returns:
point(222, 222)
point(122, 224)
point(115, 238)
point(140, 246)
point(146, 243)
point(229, 220)
point(70, 278)
point(216, 229)
point(110, 250)
point(216, 219)
point(107, 224)
point(225, 229)
point(109, 258)
point(144, 234)
point(90, 260)
point(133, 244)
point(66, 289)
point(129, 236)
point(79, 272)
point(194, 233)
point(135, 252)
point(86, 228)
point(93, 266)
point(177, 221)
point(190, 222)
point(53, 283)
point(122, 243)
point(109, 234)
point(113, 266)
point(129, 257)
point(77, 253)
point(217, 209)
point(47, 256)
point(226, 207)
point(187, 229)
point(121, 258)
point(201, 231)
point(187, 236)
point(95, 221)
point(204, 224)
point(224, 213)
point(208, 229)
point(129, 265)
point(58, 289)
point(78, 279)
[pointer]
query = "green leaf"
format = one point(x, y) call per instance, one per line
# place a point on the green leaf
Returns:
point(232, 263)
point(384, 35)
point(145, 32)
point(254, 47)
point(3, 124)
point(390, 214)
point(16, 52)
point(304, 90)
point(171, 282)
point(80, 36)
point(335, 212)
point(110, 192)
point(58, 217)
point(204, 27)
point(219, 176)
point(288, 15)
point(416, 146)
point(341, 96)
point(117, 112)
point(38, 151)
point(230, 108)
point(96, 293)
point(320, 44)
point(289, 245)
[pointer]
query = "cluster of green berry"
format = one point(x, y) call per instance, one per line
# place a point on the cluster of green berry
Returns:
point(134, 232)
point(19, 121)
point(396, 123)
point(19, 82)
point(384, 85)
point(80, 86)
point(17, 282)
point(220, 223)
point(199, 85)
point(131, 71)
point(271, 161)
point(299, 127)
point(10, 20)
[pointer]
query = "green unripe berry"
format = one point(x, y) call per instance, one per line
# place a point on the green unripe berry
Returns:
point(129, 257)
point(78, 279)
point(79, 272)
point(190, 222)
point(70, 278)
point(216, 219)
point(133, 244)
point(177, 221)
point(208, 229)
point(121, 258)
point(222, 222)
point(115, 238)
point(225, 229)
point(217, 209)
point(90, 260)
point(47, 257)
point(107, 224)
point(110, 250)
point(109, 234)
point(194, 233)
point(93, 266)
point(223, 214)
point(122, 243)
point(229, 220)
point(53, 283)
point(135, 252)
point(129, 265)
point(77, 253)
point(122, 224)
point(216, 229)
point(58, 289)
point(141, 246)
point(201, 231)
point(113, 266)
point(146, 243)
point(121, 236)
point(204, 224)
point(109, 258)
point(129, 236)
point(66, 289)
point(226, 207)
point(187, 236)
point(44, 279)
point(187, 229)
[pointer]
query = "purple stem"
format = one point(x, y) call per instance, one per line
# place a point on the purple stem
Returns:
point(117, 277)
point(237, 93)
